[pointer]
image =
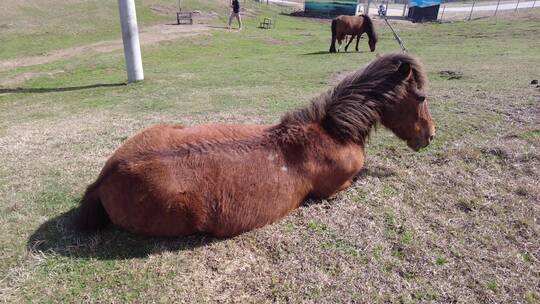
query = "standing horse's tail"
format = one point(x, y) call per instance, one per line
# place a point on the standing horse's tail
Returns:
point(370, 31)
point(333, 43)
point(91, 215)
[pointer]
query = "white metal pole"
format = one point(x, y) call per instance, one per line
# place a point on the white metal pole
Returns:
point(130, 37)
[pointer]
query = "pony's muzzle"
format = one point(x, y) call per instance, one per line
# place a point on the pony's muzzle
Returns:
point(420, 143)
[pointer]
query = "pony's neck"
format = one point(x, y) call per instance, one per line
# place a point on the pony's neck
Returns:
point(350, 119)
point(327, 148)
point(346, 118)
point(369, 29)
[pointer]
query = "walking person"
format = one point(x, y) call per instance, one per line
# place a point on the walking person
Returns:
point(235, 13)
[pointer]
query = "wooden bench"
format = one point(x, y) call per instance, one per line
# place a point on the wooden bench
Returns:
point(267, 23)
point(184, 17)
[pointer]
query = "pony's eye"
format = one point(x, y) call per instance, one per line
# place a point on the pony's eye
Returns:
point(421, 98)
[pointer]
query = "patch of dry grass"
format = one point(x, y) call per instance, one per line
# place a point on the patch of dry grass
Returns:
point(456, 223)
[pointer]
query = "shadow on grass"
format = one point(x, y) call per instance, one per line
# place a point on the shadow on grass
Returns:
point(318, 53)
point(65, 89)
point(337, 53)
point(57, 236)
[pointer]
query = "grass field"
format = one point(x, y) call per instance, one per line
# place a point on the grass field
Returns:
point(458, 222)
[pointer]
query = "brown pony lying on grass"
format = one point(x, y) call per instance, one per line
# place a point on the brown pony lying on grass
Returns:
point(228, 179)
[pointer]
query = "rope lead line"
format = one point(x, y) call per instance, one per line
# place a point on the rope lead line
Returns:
point(403, 49)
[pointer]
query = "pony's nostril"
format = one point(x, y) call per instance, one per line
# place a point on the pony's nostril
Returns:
point(431, 137)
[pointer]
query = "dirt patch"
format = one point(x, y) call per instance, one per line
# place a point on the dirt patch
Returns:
point(147, 36)
point(450, 75)
point(21, 78)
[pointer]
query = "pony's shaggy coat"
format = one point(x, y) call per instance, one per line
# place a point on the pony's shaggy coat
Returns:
point(227, 179)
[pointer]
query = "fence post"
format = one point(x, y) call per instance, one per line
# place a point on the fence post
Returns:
point(534, 3)
point(472, 8)
point(404, 9)
point(497, 8)
point(442, 14)
point(517, 5)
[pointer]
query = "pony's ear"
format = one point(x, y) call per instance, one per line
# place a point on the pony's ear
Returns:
point(404, 69)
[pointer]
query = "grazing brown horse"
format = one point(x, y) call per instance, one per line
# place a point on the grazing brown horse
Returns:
point(225, 179)
point(355, 26)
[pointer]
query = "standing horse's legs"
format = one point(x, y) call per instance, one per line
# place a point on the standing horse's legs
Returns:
point(347, 46)
point(340, 40)
point(357, 40)
point(334, 33)
point(333, 44)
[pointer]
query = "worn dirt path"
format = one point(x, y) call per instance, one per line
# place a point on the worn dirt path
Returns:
point(147, 36)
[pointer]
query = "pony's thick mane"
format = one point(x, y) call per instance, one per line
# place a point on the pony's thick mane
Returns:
point(370, 29)
point(349, 110)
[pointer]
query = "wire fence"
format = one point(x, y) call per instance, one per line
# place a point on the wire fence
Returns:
point(459, 10)
point(448, 10)
point(478, 9)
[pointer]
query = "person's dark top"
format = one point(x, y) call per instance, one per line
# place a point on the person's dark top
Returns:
point(236, 6)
